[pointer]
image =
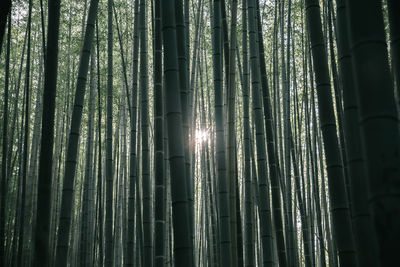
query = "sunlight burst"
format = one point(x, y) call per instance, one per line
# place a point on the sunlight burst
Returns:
point(201, 136)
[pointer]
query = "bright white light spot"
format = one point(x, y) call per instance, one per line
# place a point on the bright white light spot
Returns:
point(201, 136)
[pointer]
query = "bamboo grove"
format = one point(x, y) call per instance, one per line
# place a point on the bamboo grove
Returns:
point(200, 133)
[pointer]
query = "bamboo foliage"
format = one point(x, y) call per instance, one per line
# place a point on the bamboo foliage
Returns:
point(224, 133)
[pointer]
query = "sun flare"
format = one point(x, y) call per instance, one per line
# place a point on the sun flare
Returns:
point(201, 136)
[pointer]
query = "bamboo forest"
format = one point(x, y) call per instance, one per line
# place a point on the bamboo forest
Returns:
point(200, 133)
